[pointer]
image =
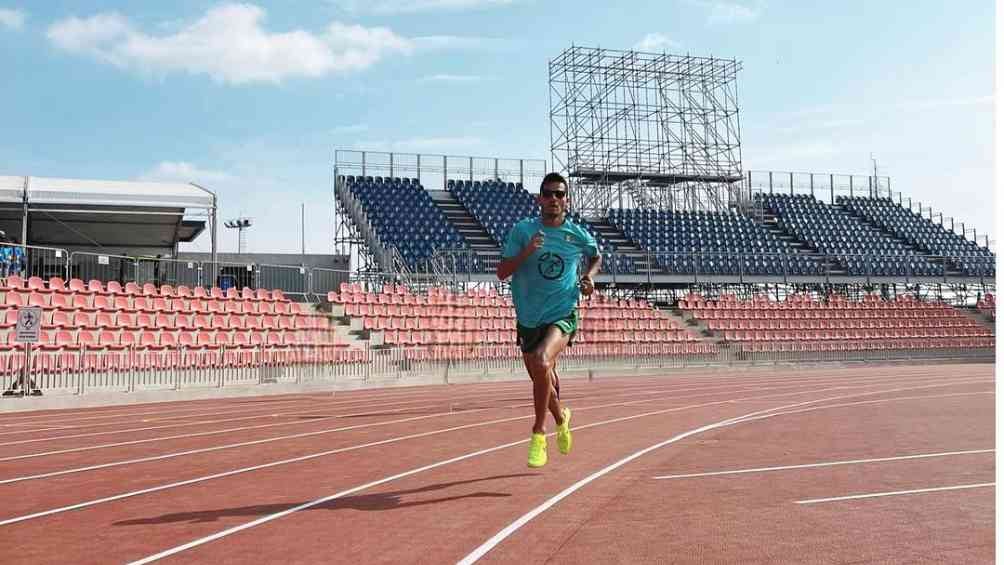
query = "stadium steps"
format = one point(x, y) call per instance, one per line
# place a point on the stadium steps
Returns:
point(622, 245)
point(980, 318)
point(950, 271)
point(349, 327)
point(796, 245)
point(687, 320)
point(473, 232)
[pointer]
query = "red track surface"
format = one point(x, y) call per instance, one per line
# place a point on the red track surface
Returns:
point(326, 451)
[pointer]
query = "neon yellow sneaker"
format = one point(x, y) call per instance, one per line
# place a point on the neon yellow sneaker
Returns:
point(538, 451)
point(565, 434)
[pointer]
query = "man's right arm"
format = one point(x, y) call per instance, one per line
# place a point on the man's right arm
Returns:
point(508, 265)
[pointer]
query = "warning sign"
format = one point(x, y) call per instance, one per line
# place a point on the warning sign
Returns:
point(29, 321)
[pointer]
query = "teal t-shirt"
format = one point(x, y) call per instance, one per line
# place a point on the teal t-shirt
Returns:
point(545, 287)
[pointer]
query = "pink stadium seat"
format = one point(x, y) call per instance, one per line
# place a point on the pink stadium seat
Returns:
point(142, 303)
point(57, 284)
point(122, 319)
point(234, 307)
point(218, 322)
point(167, 291)
point(61, 301)
point(149, 289)
point(114, 287)
point(37, 284)
point(160, 304)
point(37, 299)
point(77, 285)
point(216, 292)
point(16, 299)
point(105, 320)
point(233, 294)
point(247, 294)
point(131, 289)
point(261, 294)
point(184, 292)
point(215, 306)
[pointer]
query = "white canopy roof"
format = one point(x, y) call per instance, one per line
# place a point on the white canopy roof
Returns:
point(70, 192)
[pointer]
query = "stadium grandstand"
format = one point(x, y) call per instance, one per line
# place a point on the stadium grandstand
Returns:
point(704, 262)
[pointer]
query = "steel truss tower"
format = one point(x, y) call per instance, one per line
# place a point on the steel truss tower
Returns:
point(645, 130)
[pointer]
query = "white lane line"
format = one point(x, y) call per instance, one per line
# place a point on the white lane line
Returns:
point(351, 448)
point(319, 402)
point(294, 436)
point(826, 464)
point(892, 493)
point(490, 544)
point(304, 422)
point(222, 420)
point(323, 500)
point(844, 404)
point(301, 435)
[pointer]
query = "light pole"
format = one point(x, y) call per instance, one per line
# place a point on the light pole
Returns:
point(239, 224)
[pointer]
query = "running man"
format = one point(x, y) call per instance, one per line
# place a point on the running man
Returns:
point(542, 256)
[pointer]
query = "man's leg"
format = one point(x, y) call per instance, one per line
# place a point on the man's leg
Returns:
point(540, 363)
point(552, 399)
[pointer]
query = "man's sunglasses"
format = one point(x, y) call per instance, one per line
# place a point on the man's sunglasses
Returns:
point(559, 194)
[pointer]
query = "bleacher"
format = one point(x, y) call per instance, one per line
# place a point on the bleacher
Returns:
point(498, 205)
point(110, 327)
point(859, 248)
point(801, 323)
point(716, 243)
point(404, 216)
point(440, 325)
point(932, 238)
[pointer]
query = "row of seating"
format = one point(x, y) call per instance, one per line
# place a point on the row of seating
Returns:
point(830, 323)
point(853, 322)
point(922, 232)
point(132, 320)
point(131, 289)
point(404, 216)
point(853, 335)
point(480, 352)
point(866, 345)
point(91, 302)
point(833, 231)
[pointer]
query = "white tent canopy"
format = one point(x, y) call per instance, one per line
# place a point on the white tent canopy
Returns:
point(97, 213)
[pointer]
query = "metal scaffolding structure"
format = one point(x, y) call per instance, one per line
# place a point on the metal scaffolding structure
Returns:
point(646, 130)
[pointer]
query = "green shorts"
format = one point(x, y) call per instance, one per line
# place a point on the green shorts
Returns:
point(529, 338)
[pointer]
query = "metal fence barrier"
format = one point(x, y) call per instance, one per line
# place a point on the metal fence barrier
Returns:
point(75, 371)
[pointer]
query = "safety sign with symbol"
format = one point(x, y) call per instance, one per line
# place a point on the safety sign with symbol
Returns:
point(29, 321)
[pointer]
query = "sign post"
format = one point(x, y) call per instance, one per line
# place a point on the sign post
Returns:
point(29, 322)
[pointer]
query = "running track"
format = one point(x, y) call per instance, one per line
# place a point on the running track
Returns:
point(880, 464)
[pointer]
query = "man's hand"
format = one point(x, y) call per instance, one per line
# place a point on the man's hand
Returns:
point(586, 285)
point(535, 243)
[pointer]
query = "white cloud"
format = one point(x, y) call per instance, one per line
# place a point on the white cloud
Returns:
point(656, 42)
point(183, 171)
point(387, 7)
point(453, 78)
point(722, 12)
point(229, 44)
point(14, 19)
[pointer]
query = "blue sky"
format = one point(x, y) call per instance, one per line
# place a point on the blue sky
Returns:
point(251, 99)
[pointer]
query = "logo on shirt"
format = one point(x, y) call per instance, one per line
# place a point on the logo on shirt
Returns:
point(550, 266)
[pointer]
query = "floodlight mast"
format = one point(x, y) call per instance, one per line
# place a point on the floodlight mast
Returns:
point(239, 224)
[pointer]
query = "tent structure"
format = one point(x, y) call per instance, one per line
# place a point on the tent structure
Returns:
point(141, 217)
